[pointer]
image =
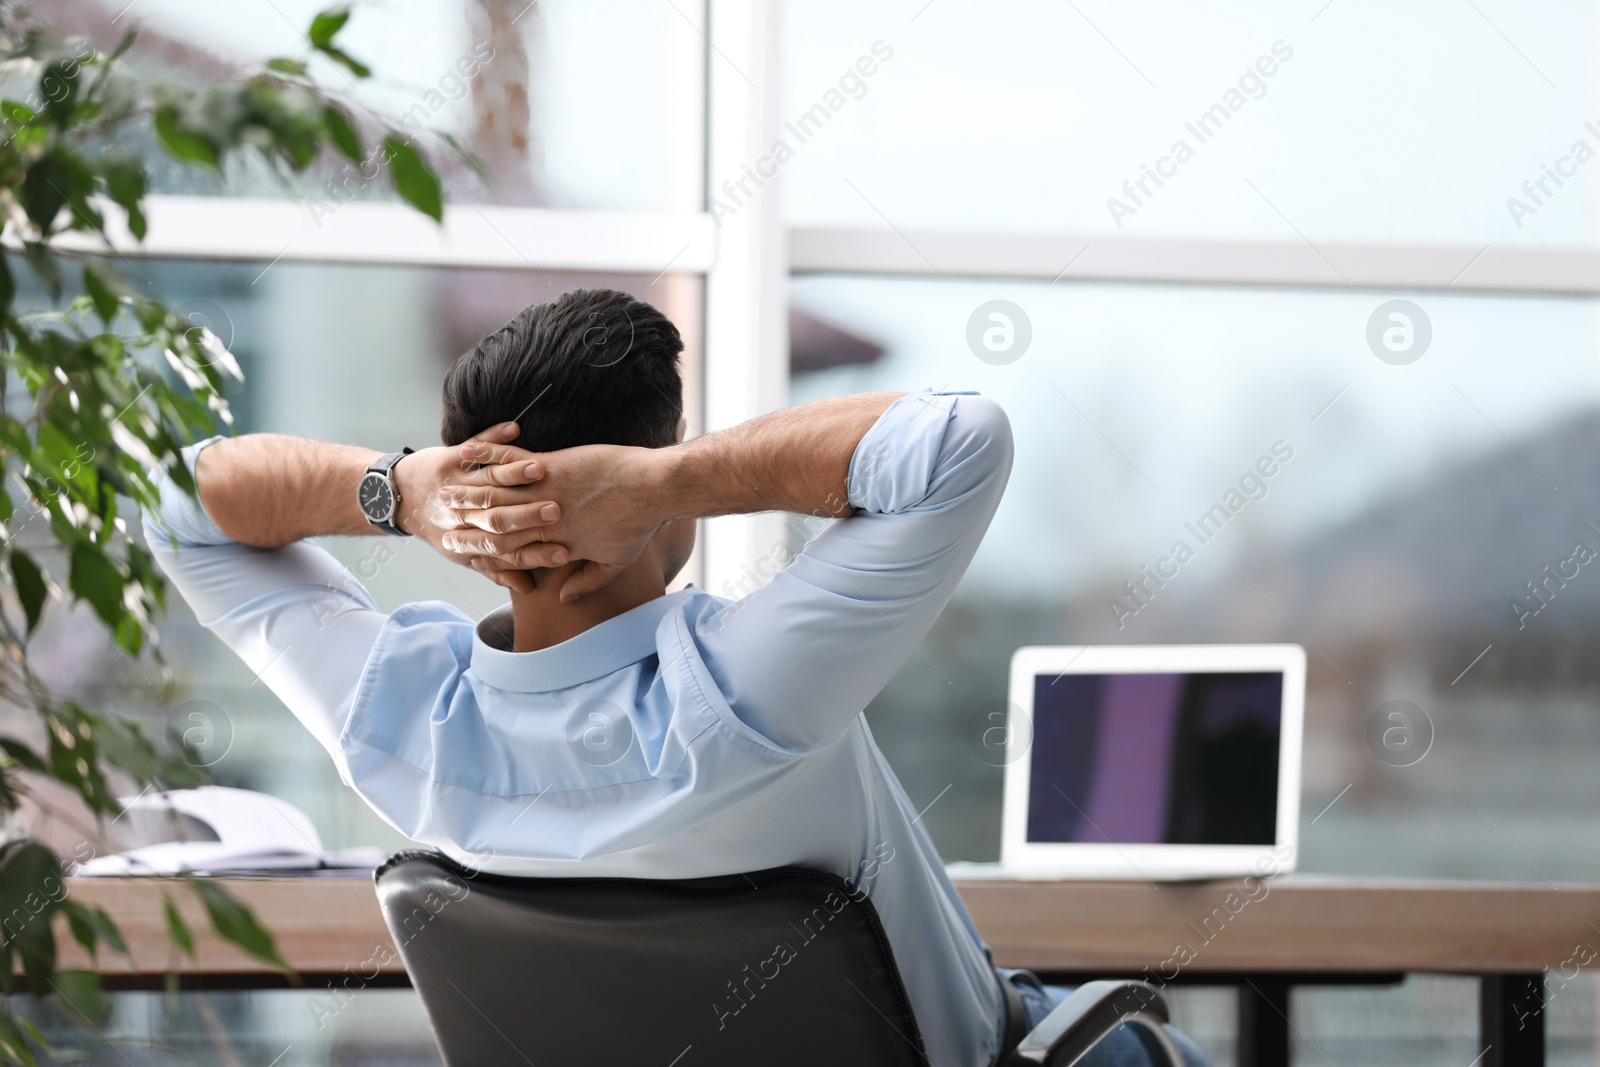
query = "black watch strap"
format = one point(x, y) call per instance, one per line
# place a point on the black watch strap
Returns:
point(384, 465)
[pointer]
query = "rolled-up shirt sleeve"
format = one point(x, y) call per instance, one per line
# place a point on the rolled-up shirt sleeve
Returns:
point(295, 615)
point(799, 659)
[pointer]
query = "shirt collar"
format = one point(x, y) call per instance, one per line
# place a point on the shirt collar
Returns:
point(598, 651)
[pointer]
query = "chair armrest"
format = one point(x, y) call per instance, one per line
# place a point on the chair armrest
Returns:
point(1084, 1019)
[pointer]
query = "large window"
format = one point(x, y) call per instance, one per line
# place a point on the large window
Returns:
point(1232, 120)
point(344, 308)
point(1355, 249)
point(563, 101)
point(1385, 516)
point(853, 191)
point(340, 353)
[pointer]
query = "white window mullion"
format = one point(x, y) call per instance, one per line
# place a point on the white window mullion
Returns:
point(747, 349)
point(1203, 262)
point(200, 227)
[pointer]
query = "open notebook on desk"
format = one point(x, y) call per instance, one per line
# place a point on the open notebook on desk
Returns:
point(218, 830)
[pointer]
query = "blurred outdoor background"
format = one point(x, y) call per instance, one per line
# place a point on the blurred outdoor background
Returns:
point(1426, 489)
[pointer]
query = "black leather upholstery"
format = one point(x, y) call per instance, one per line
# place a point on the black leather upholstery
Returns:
point(776, 968)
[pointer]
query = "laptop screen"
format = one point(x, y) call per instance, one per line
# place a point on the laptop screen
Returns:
point(1182, 759)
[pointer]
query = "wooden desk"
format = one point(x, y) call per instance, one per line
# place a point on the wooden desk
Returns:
point(1265, 938)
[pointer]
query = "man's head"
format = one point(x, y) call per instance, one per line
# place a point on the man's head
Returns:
point(594, 366)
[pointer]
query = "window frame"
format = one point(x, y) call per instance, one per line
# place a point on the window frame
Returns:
point(731, 65)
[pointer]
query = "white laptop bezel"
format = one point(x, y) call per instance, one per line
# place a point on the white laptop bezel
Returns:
point(1139, 862)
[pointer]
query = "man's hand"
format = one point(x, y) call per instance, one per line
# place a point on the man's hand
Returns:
point(610, 508)
point(424, 475)
point(611, 499)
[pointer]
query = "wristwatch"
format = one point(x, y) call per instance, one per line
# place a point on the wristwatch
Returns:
point(378, 496)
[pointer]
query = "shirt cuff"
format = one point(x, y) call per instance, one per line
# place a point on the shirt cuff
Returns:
point(893, 466)
point(181, 517)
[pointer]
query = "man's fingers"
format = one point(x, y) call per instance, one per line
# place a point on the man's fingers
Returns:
point(518, 472)
point(505, 464)
point(505, 431)
point(522, 548)
point(587, 579)
point(478, 497)
point(511, 518)
point(526, 558)
point(517, 581)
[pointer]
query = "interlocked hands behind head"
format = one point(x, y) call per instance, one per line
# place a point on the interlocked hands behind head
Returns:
point(504, 511)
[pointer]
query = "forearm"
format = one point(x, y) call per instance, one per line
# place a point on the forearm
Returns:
point(797, 459)
point(269, 490)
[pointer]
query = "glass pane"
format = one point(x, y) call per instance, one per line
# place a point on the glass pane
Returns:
point(1340, 122)
point(313, 1027)
point(1406, 510)
point(329, 352)
point(1432, 1019)
point(562, 99)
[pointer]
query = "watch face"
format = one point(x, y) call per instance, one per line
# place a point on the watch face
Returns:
point(376, 497)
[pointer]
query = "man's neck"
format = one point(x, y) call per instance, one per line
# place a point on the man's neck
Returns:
point(541, 620)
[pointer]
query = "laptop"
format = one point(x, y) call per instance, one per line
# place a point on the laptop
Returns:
point(1153, 763)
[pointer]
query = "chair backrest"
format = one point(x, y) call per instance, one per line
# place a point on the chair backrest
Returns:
point(778, 967)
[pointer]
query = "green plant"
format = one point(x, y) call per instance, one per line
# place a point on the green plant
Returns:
point(93, 398)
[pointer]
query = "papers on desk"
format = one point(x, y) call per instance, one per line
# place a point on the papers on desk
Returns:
point(217, 830)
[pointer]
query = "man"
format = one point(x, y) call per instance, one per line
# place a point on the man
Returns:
point(598, 724)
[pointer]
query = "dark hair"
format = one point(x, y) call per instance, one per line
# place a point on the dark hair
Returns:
point(594, 366)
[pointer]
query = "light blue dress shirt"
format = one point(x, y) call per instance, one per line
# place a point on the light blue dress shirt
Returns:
point(690, 736)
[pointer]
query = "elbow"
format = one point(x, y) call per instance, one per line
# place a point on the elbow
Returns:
point(983, 431)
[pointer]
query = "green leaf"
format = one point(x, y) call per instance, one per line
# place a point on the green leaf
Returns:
point(177, 929)
point(101, 290)
point(92, 576)
point(183, 143)
point(17, 113)
point(237, 923)
point(59, 83)
point(80, 992)
point(44, 264)
point(30, 1028)
point(21, 754)
point(31, 890)
point(415, 181)
point(287, 119)
point(126, 746)
point(355, 66)
point(92, 927)
point(81, 924)
point(327, 25)
point(123, 46)
point(35, 942)
point(29, 870)
point(107, 928)
point(466, 155)
point(126, 184)
point(30, 585)
point(8, 285)
point(287, 66)
point(13, 1045)
point(44, 190)
point(342, 133)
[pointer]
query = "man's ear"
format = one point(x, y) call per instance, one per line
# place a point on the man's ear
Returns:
point(682, 425)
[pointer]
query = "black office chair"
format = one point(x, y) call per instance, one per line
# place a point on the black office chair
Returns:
point(779, 967)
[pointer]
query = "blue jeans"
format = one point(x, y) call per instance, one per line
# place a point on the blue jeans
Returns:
point(1126, 1046)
